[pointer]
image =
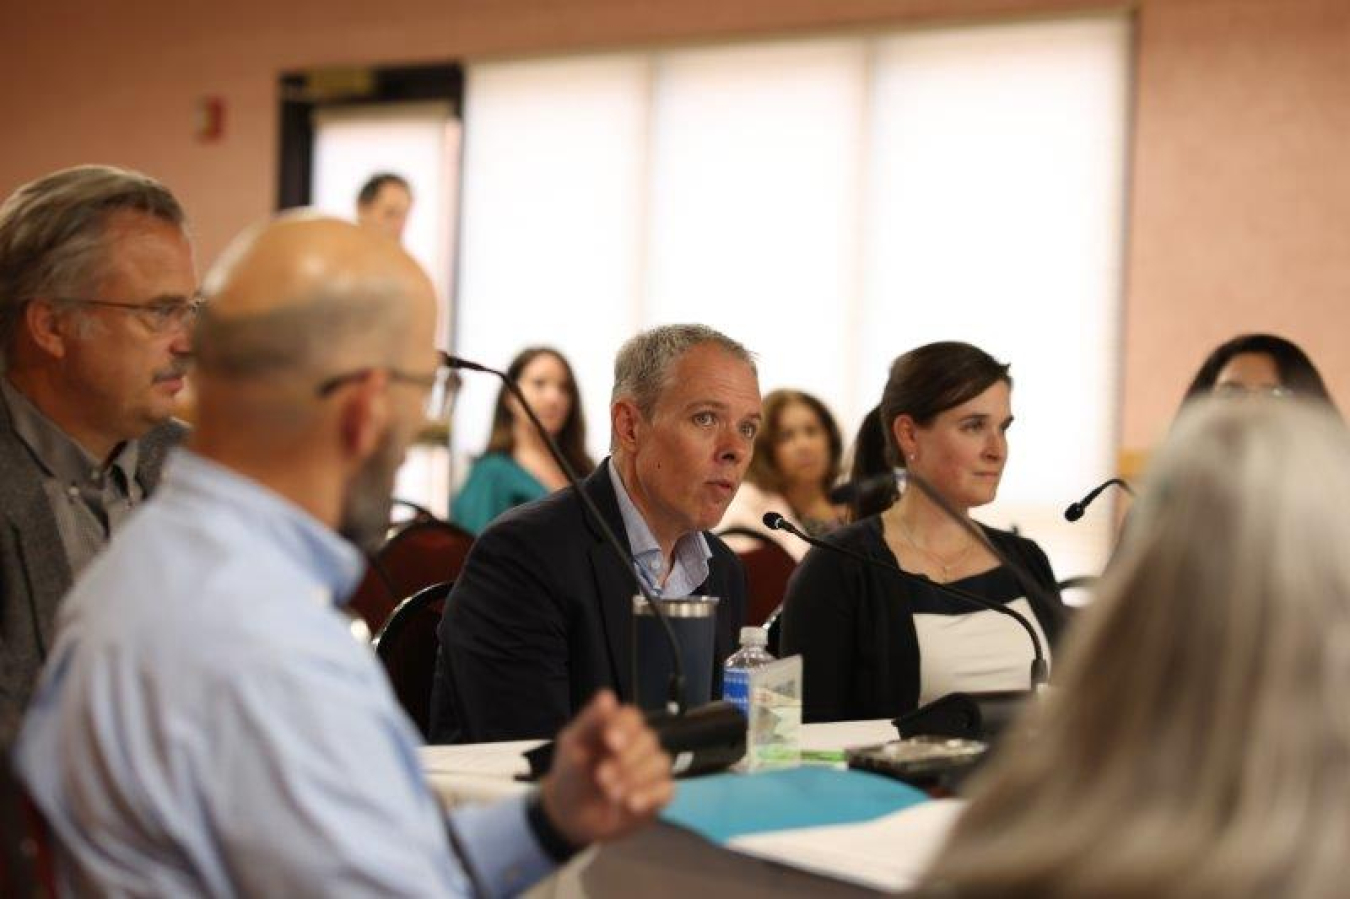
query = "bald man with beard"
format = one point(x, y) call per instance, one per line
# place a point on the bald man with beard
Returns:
point(206, 725)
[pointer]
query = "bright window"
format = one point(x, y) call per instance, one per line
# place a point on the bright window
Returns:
point(831, 203)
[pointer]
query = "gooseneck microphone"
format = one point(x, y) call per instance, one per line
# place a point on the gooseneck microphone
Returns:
point(1075, 510)
point(709, 738)
point(1039, 669)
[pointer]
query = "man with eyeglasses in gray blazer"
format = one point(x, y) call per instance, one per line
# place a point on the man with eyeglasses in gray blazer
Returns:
point(97, 295)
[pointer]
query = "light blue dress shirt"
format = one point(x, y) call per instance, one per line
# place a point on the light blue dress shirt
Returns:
point(207, 726)
point(691, 552)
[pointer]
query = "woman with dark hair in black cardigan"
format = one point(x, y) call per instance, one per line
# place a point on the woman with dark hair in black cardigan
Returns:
point(875, 645)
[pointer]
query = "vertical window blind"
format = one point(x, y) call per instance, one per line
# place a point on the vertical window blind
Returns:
point(831, 203)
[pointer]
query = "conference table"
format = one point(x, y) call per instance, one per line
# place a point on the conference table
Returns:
point(667, 861)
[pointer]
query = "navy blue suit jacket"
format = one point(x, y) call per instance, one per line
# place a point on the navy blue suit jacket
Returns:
point(540, 618)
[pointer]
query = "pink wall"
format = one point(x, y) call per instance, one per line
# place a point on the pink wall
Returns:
point(1239, 192)
point(86, 81)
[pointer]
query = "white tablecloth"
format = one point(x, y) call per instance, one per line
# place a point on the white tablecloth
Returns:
point(483, 772)
point(666, 862)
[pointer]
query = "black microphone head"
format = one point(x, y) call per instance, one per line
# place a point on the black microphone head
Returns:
point(457, 362)
point(773, 521)
point(1074, 512)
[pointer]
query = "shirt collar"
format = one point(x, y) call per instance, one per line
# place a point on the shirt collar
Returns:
point(55, 451)
point(691, 552)
point(322, 553)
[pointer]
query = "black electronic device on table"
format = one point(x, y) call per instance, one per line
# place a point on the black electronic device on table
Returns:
point(944, 740)
point(933, 763)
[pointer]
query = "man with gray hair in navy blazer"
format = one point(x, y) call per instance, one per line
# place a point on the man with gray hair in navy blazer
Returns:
point(540, 619)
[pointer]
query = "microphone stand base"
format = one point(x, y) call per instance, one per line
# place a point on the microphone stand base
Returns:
point(969, 716)
point(702, 740)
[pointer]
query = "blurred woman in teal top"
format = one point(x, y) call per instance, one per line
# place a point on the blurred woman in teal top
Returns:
point(516, 468)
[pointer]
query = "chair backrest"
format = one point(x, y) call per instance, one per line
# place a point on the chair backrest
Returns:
point(27, 870)
point(407, 647)
point(767, 569)
point(424, 552)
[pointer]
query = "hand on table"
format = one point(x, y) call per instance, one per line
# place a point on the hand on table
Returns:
point(609, 774)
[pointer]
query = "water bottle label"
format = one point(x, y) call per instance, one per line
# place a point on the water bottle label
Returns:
point(736, 689)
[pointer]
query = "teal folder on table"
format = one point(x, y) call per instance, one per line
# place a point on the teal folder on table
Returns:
point(725, 806)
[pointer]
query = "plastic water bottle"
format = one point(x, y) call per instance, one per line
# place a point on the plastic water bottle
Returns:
point(736, 673)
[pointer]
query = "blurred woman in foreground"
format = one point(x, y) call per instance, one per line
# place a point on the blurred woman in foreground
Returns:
point(1198, 743)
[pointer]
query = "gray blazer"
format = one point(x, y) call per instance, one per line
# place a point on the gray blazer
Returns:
point(34, 572)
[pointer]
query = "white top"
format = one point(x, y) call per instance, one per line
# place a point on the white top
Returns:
point(975, 652)
point(747, 510)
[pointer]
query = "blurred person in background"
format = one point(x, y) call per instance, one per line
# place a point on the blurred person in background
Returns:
point(383, 204)
point(1258, 362)
point(875, 645)
point(516, 467)
point(796, 462)
point(1197, 743)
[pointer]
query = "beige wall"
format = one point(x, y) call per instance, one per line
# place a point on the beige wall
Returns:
point(1240, 194)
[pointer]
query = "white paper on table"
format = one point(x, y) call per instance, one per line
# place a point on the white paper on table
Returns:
point(888, 853)
point(476, 772)
point(492, 759)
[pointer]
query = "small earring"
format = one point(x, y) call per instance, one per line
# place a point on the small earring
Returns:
point(911, 457)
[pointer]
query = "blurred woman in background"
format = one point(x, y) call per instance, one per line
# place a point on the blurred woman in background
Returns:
point(876, 645)
point(1198, 743)
point(795, 463)
point(1258, 363)
point(516, 466)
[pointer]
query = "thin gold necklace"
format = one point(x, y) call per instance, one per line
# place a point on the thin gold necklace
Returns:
point(942, 563)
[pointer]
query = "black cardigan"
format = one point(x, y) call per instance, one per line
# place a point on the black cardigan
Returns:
point(853, 623)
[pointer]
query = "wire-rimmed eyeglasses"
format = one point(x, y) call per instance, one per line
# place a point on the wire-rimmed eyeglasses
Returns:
point(1232, 388)
point(161, 316)
point(440, 385)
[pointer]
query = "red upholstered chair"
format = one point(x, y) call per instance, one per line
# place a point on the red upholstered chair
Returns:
point(767, 569)
point(407, 646)
point(423, 552)
point(26, 867)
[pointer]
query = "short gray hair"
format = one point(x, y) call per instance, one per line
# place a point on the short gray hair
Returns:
point(52, 231)
point(643, 367)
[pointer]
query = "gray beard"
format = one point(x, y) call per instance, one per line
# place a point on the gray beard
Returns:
point(367, 506)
